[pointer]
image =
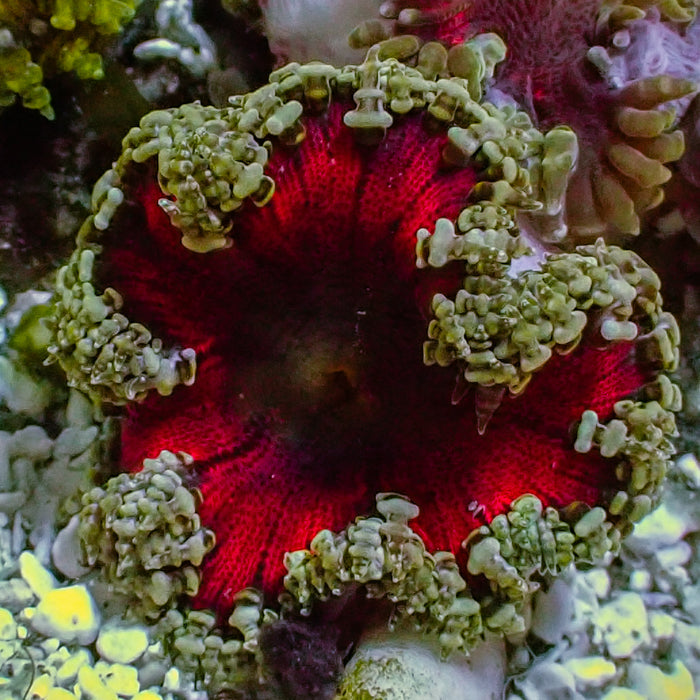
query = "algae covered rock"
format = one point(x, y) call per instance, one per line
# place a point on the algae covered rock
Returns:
point(406, 667)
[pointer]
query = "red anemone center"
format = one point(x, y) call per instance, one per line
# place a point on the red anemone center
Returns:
point(311, 394)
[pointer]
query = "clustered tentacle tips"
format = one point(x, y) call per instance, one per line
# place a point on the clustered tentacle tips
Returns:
point(404, 15)
point(631, 181)
point(619, 14)
point(219, 661)
point(639, 439)
point(385, 555)
point(144, 532)
point(609, 195)
point(645, 138)
point(211, 160)
point(389, 559)
point(21, 77)
point(101, 351)
point(528, 542)
point(474, 60)
point(501, 329)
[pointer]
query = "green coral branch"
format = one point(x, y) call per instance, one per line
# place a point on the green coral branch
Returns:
point(40, 39)
point(21, 76)
point(144, 532)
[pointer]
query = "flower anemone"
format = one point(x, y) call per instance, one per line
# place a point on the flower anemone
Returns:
point(558, 64)
point(333, 254)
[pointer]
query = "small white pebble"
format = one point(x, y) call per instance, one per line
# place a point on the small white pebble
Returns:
point(41, 686)
point(590, 671)
point(60, 694)
point(91, 685)
point(652, 682)
point(623, 694)
point(172, 680)
point(36, 576)
point(599, 581)
point(689, 467)
point(66, 552)
point(120, 678)
point(661, 625)
point(69, 669)
point(50, 646)
point(553, 611)
point(622, 625)
point(548, 681)
point(661, 528)
point(8, 626)
point(640, 580)
point(677, 554)
point(122, 645)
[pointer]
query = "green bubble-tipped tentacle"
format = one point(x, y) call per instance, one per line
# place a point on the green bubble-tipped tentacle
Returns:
point(389, 559)
point(639, 440)
point(514, 553)
point(101, 351)
point(529, 542)
point(221, 661)
point(500, 329)
point(144, 533)
point(210, 161)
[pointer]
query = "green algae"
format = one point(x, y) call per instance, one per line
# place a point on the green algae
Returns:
point(41, 39)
